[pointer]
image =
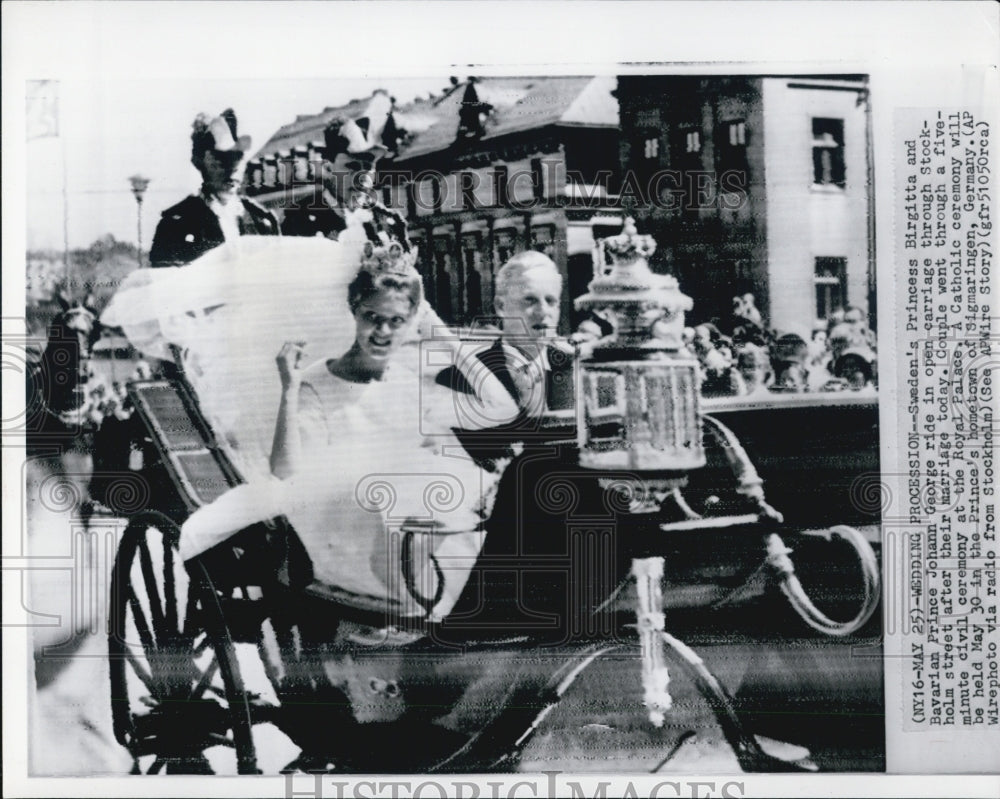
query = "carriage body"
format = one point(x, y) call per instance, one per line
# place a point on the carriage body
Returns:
point(356, 685)
point(349, 677)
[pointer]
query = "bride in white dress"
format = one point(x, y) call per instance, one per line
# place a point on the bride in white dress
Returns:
point(363, 443)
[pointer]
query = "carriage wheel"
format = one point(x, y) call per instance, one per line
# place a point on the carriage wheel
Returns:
point(177, 698)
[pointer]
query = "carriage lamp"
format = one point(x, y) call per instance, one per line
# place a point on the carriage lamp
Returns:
point(638, 413)
point(639, 387)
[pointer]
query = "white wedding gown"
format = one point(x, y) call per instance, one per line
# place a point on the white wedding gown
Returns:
point(376, 455)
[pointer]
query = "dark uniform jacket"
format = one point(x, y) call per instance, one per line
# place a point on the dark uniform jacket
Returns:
point(190, 229)
point(494, 443)
point(534, 557)
point(314, 215)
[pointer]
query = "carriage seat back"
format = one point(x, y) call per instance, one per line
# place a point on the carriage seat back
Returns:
point(197, 467)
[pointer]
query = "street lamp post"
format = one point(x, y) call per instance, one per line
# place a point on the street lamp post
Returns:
point(139, 184)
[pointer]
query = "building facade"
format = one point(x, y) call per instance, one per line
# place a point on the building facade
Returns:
point(286, 168)
point(754, 184)
point(511, 164)
point(487, 169)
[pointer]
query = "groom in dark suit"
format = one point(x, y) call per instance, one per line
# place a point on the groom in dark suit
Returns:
point(534, 366)
point(527, 565)
point(527, 299)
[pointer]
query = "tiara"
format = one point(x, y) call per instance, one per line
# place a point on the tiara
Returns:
point(389, 260)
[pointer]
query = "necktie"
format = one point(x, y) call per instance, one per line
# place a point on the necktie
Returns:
point(531, 387)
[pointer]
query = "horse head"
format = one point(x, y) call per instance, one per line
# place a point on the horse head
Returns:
point(76, 320)
point(72, 335)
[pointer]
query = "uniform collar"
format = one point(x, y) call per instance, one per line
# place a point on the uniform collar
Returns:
point(233, 208)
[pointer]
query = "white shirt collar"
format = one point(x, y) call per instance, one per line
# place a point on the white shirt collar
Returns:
point(516, 359)
point(228, 214)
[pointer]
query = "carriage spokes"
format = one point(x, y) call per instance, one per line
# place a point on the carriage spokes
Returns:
point(180, 703)
point(175, 685)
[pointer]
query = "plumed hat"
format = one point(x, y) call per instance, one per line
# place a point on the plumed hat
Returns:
point(365, 136)
point(218, 134)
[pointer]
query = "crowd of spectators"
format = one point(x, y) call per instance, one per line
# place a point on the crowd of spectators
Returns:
point(106, 399)
point(741, 356)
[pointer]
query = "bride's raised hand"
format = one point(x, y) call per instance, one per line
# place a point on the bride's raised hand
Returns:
point(290, 362)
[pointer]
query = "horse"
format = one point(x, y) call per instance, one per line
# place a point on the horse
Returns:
point(59, 432)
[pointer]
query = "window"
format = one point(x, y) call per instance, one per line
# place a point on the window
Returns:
point(504, 246)
point(270, 170)
point(301, 155)
point(470, 282)
point(828, 152)
point(426, 263)
point(830, 281)
point(467, 186)
point(606, 393)
point(436, 193)
point(686, 160)
point(256, 171)
point(411, 200)
point(541, 240)
point(442, 277)
point(692, 141)
point(737, 134)
point(315, 159)
point(645, 162)
point(285, 169)
point(537, 179)
point(501, 186)
point(731, 148)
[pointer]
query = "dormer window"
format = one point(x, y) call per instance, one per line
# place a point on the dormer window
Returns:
point(255, 171)
point(472, 115)
point(301, 156)
point(270, 170)
point(285, 168)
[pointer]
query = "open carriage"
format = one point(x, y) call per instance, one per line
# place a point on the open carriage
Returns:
point(358, 687)
point(582, 541)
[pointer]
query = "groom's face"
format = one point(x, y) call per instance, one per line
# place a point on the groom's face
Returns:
point(530, 305)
